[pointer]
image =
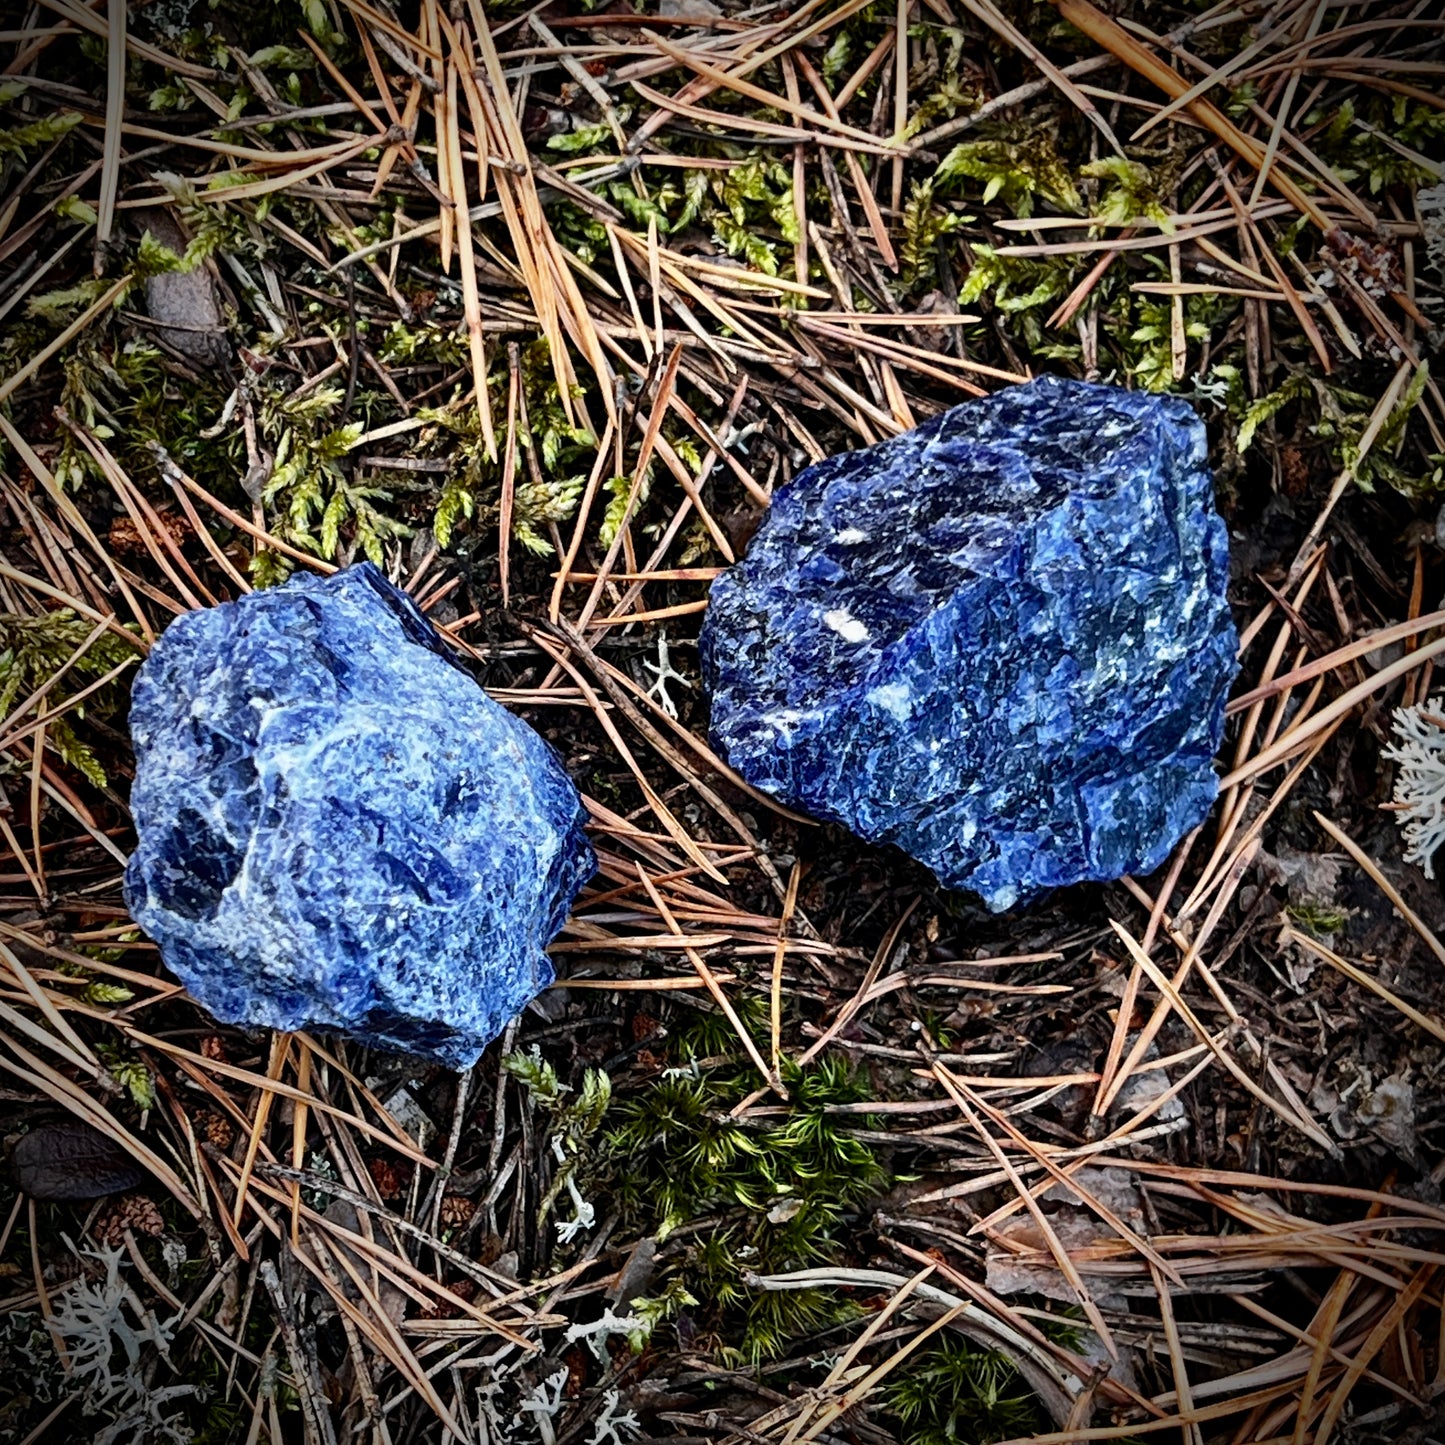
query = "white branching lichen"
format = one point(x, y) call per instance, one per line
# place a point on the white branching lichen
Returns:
point(600, 1331)
point(584, 1214)
point(664, 672)
point(107, 1335)
point(1419, 751)
point(544, 1404)
point(536, 1413)
point(585, 1217)
point(613, 1426)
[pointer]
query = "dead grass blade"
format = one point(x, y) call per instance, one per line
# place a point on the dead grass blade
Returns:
point(1358, 975)
point(54, 1084)
point(775, 994)
point(718, 363)
point(1293, 738)
point(1055, 1246)
point(1305, 1125)
point(770, 1075)
point(115, 65)
point(996, 21)
point(1377, 877)
point(882, 957)
point(1119, 43)
point(1377, 1339)
point(461, 63)
point(98, 307)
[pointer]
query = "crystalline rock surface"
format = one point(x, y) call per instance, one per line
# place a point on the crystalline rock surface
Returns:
point(338, 829)
point(999, 641)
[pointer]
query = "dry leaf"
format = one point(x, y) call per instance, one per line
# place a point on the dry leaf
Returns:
point(70, 1160)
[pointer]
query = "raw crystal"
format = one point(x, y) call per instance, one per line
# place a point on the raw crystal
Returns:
point(338, 829)
point(999, 641)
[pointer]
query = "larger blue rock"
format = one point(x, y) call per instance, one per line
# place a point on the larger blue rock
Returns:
point(999, 641)
point(338, 829)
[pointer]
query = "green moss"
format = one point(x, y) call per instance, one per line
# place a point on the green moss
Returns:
point(1338, 417)
point(573, 1123)
point(33, 650)
point(1317, 919)
point(959, 1394)
point(776, 1197)
point(945, 84)
point(1386, 139)
point(1152, 365)
point(925, 224)
point(1131, 191)
point(1019, 287)
point(314, 498)
point(1016, 172)
point(751, 197)
point(471, 494)
point(22, 140)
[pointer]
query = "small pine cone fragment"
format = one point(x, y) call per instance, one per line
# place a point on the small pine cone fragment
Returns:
point(217, 1130)
point(213, 1046)
point(463, 1289)
point(134, 1212)
point(456, 1210)
point(127, 538)
point(389, 1178)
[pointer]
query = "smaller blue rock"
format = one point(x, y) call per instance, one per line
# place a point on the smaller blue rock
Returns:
point(999, 641)
point(338, 829)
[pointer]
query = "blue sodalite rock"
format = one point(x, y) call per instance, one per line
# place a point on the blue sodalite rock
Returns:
point(999, 641)
point(338, 829)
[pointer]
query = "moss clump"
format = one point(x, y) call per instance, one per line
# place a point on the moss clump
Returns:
point(34, 649)
point(959, 1394)
point(744, 1199)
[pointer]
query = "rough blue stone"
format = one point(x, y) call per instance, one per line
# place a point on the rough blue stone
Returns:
point(338, 829)
point(999, 641)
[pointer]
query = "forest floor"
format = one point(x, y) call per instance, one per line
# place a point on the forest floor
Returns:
point(536, 307)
